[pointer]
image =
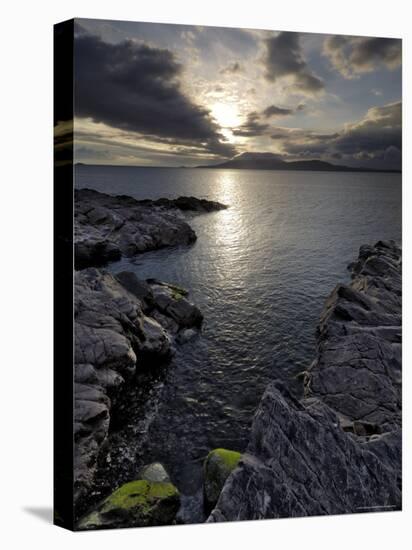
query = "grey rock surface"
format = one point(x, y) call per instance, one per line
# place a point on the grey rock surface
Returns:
point(338, 450)
point(154, 472)
point(108, 227)
point(357, 371)
point(116, 332)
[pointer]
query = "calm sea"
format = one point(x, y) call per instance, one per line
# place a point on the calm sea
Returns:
point(260, 272)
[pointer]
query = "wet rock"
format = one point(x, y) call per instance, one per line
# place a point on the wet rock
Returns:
point(138, 503)
point(156, 341)
point(192, 204)
point(108, 227)
point(218, 465)
point(338, 450)
point(186, 335)
point(170, 301)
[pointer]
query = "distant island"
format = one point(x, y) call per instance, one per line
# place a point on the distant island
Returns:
point(271, 161)
point(262, 161)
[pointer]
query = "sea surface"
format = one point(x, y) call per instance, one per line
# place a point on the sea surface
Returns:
point(260, 272)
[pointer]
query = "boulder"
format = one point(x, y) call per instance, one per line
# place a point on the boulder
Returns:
point(170, 301)
point(154, 472)
point(138, 503)
point(218, 465)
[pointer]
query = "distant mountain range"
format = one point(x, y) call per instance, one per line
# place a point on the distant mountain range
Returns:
point(271, 161)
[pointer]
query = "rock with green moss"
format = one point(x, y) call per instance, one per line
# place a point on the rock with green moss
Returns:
point(138, 503)
point(170, 300)
point(218, 465)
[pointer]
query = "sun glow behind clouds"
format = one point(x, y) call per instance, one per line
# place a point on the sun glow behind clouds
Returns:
point(226, 114)
point(227, 117)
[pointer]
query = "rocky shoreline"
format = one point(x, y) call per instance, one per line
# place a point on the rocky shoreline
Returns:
point(107, 227)
point(126, 329)
point(338, 450)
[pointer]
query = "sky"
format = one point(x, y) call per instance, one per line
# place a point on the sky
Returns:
point(176, 95)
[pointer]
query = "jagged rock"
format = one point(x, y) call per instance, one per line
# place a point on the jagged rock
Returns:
point(116, 332)
point(108, 227)
point(138, 503)
point(338, 450)
point(218, 465)
point(192, 204)
point(357, 370)
point(299, 462)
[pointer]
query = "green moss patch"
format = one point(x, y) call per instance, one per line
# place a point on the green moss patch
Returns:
point(140, 494)
point(229, 459)
point(217, 468)
point(135, 504)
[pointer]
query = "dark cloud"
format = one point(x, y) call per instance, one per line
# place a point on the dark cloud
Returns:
point(378, 131)
point(377, 136)
point(255, 127)
point(353, 55)
point(252, 127)
point(284, 58)
point(273, 110)
point(135, 87)
point(232, 68)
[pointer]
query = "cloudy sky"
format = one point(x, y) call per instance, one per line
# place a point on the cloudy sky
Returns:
point(171, 95)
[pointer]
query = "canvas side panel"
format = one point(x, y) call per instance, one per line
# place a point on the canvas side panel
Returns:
point(63, 274)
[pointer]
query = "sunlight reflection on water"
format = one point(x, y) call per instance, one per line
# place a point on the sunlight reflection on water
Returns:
point(260, 272)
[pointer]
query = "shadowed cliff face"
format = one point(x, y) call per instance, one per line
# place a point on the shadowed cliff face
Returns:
point(338, 450)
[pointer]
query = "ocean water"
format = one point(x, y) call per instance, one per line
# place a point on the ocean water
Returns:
point(260, 272)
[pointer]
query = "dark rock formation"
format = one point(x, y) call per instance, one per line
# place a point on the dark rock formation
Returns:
point(357, 371)
point(187, 204)
point(119, 328)
point(108, 227)
point(338, 450)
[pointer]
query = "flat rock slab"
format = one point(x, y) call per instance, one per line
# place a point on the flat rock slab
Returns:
point(108, 227)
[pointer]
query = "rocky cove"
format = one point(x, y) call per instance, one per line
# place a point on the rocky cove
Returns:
point(344, 433)
point(126, 329)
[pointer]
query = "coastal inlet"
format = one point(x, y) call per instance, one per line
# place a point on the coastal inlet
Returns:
point(260, 277)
